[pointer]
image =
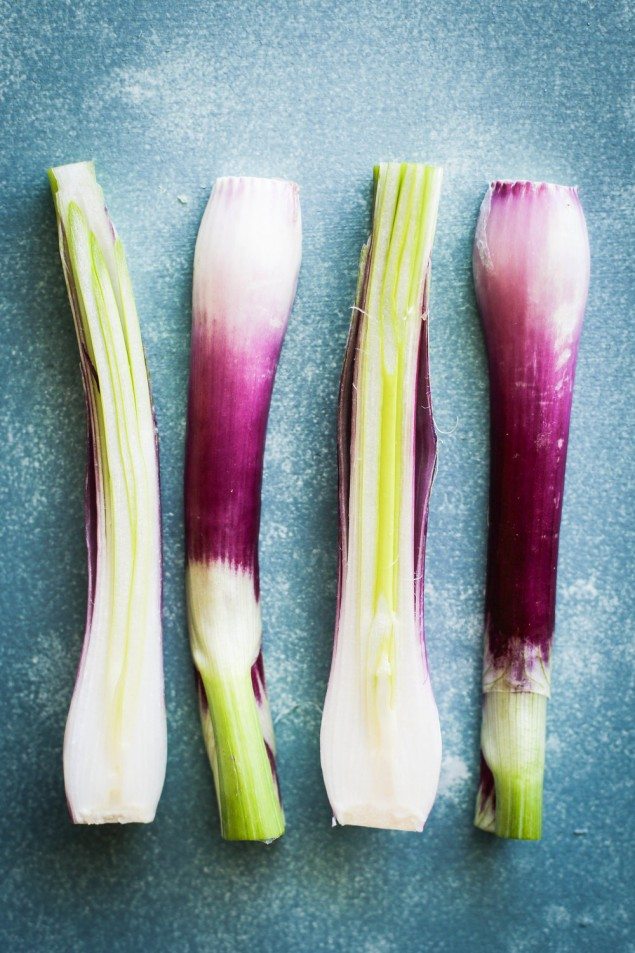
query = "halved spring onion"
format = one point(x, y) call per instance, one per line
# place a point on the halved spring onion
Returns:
point(380, 740)
point(115, 740)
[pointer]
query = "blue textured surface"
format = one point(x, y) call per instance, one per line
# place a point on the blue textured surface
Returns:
point(166, 96)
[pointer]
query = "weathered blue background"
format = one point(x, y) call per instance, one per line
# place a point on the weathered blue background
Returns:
point(165, 96)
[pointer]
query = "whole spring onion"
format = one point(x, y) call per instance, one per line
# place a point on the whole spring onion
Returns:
point(245, 273)
point(380, 739)
point(115, 740)
point(531, 272)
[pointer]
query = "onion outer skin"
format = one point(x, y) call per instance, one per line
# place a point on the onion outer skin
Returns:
point(246, 268)
point(531, 267)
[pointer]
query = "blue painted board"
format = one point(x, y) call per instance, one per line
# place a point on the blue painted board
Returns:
point(165, 96)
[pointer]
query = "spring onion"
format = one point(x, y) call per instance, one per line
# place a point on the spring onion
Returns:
point(531, 272)
point(115, 740)
point(246, 267)
point(380, 739)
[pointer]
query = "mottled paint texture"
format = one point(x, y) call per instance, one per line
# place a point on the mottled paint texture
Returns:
point(166, 98)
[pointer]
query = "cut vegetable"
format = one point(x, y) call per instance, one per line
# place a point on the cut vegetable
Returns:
point(380, 740)
point(115, 740)
point(245, 273)
point(531, 272)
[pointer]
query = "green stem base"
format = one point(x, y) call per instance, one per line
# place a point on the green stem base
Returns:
point(513, 748)
point(247, 791)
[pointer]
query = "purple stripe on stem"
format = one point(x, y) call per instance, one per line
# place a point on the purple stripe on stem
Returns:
point(229, 397)
point(531, 269)
point(425, 458)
